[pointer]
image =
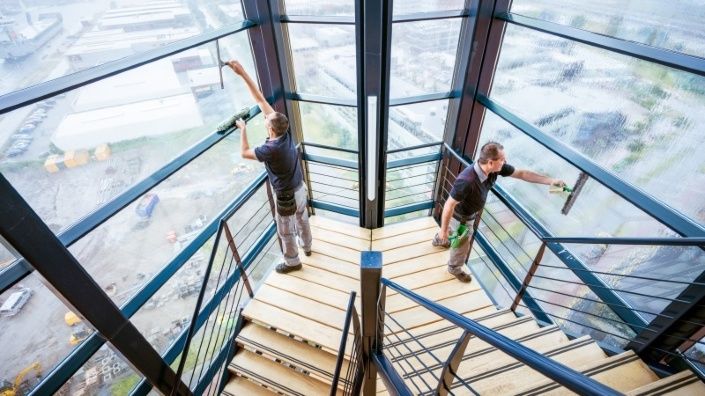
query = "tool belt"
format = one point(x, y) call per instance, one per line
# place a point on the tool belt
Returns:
point(286, 203)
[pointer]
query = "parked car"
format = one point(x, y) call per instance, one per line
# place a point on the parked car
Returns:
point(15, 302)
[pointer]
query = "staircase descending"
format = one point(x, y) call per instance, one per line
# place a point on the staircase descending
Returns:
point(293, 326)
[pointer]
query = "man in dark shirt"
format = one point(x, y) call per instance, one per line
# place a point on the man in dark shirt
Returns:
point(281, 159)
point(468, 196)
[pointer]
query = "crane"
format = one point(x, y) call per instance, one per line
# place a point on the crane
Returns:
point(7, 389)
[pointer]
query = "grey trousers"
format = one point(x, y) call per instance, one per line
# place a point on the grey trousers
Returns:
point(291, 227)
point(459, 255)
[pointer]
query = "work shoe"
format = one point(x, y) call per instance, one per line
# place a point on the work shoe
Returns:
point(307, 253)
point(285, 269)
point(462, 276)
point(438, 243)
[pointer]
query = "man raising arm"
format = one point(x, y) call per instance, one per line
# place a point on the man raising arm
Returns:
point(281, 159)
point(468, 196)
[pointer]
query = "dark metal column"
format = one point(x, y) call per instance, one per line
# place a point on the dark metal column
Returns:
point(31, 238)
point(374, 32)
point(370, 276)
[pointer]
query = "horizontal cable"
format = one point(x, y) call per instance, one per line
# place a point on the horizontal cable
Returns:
point(41, 91)
point(407, 187)
point(685, 241)
point(333, 185)
point(421, 159)
point(410, 177)
point(409, 195)
point(337, 162)
point(325, 194)
point(331, 176)
point(323, 146)
point(627, 275)
point(411, 148)
point(400, 210)
point(676, 60)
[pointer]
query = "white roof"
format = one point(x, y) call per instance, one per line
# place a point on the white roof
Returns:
point(113, 39)
point(205, 76)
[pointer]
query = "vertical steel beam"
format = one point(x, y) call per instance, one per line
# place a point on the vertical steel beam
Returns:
point(529, 276)
point(374, 33)
point(31, 238)
point(370, 285)
point(236, 256)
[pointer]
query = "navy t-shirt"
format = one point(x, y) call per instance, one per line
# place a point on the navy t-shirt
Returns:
point(281, 159)
point(471, 187)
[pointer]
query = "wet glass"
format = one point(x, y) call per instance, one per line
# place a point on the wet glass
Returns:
point(417, 6)
point(634, 118)
point(329, 125)
point(315, 45)
point(320, 8)
point(416, 124)
point(674, 25)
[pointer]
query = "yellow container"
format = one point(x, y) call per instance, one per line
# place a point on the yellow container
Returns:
point(75, 158)
point(102, 152)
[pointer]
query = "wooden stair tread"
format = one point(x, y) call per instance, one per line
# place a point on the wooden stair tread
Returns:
point(289, 323)
point(275, 375)
point(410, 252)
point(331, 264)
point(326, 278)
point(406, 239)
point(416, 264)
point(338, 239)
point(419, 315)
point(340, 227)
point(302, 306)
point(683, 383)
point(424, 278)
point(403, 227)
point(239, 386)
point(623, 372)
point(318, 362)
point(339, 252)
point(436, 292)
point(313, 291)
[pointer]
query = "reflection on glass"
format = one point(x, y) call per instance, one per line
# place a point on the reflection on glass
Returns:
point(423, 56)
point(70, 154)
point(416, 6)
point(127, 250)
point(44, 40)
point(673, 25)
point(491, 279)
point(324, 59)
point(597, 210)
point(320, 8)
point(638, 119)
point(106, 372)
point(329, 125)
point(415, 124)
point(38, 331)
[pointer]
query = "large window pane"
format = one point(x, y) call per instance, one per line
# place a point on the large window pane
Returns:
point(415, 124)
point(36, 333)
point(320, 8)
point(423, 56)
point(329, 125)
point(324, 59)
point(416, 6)
point(636, 118)
point(596, 211)
point(41, 41)
point(106, 372)
point(334, 185)
point(410, 184)
point(72, 153)
point(673, 25)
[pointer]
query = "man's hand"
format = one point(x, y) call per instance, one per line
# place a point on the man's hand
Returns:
point(558, 183)
point(237, 67)
point(241, 125)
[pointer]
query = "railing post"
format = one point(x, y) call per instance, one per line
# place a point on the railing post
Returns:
point(236, 255)
point(529, 276)
point(451, 366)
point(370, 276)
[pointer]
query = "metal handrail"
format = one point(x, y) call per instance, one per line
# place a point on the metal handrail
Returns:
point(566, 376)
point(351, 311)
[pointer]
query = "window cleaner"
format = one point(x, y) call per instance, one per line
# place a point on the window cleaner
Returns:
point(229, 123)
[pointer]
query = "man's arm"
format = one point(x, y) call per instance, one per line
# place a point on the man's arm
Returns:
point(447, 214)
point(252, 87)
point(533, 177)
point(245, 150)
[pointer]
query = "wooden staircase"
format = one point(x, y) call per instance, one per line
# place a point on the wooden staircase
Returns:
point(294, 324)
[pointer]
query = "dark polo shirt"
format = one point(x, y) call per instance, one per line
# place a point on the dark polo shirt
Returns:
point(281, 159)
point(471, 187)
